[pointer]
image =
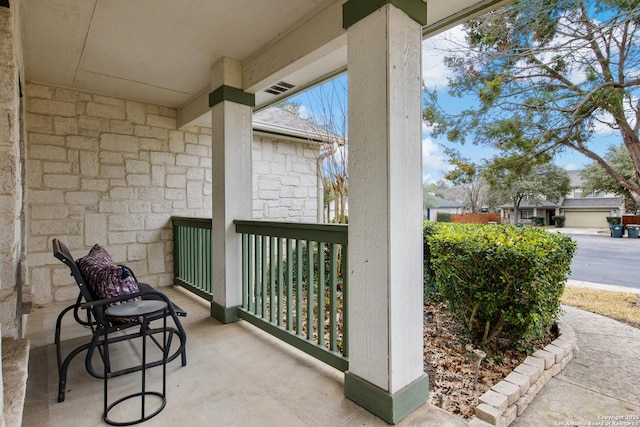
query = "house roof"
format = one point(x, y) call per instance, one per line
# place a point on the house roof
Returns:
point(525, 204)
point(275, 121)
point(444, 203)
point(595, 202)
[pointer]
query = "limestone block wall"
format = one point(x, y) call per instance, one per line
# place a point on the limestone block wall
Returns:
point(113, 171)
point(285, 184)
point(11, 202)
point(109, 171)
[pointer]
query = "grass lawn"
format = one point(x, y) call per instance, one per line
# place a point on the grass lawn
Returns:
point(621, 306)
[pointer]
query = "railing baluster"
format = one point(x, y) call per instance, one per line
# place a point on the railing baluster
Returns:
point(272, 278)
point(280, 280)
point(251, 297)
point(333, 298)
point(299, 287)
point(320, 296)
point(209, 287)
point(263, 280)
point(289, 283)
point(345, 302)
point(258, 289)
point(245, 270)
point(310, 289)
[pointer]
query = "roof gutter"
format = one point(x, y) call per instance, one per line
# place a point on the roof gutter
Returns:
point(288, 137)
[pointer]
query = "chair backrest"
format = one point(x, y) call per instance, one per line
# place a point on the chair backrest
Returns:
point(61, 252)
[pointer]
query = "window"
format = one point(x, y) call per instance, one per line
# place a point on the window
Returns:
point(593, 194)
point(526, 213)
point(578, 192)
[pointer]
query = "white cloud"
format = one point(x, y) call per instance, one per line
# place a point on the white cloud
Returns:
point(434, 49)
point(304, 112)
point(434, 163)
point(428, 179)
point(571, 167)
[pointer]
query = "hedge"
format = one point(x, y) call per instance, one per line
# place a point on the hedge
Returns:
point(499, 279)
point(443, 217)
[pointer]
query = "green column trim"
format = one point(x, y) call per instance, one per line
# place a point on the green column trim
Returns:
point(355, 10)
point(224, 314)
point(392, 408)
point(229, 93)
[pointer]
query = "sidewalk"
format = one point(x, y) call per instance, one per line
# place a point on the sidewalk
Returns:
point(599, 385)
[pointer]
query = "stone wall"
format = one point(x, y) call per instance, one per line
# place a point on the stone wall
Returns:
point(113, 171)
point(109, 171)
point(11, 202)
point(285, 184)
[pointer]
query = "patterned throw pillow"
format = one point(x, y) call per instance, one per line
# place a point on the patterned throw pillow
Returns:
point(106, 279)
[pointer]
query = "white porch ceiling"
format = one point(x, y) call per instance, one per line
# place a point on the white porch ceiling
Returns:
point(161, 51)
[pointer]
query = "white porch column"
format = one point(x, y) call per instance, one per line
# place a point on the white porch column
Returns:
point(231, 174)
point(386, 373)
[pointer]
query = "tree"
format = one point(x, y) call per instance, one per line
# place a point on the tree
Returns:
point(429, 200)
point(595, 178)
point(545, 76)
point(468, 176)
point(327, 116)
point(534, 183)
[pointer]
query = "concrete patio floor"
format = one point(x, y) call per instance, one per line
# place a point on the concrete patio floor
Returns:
point(236, 375)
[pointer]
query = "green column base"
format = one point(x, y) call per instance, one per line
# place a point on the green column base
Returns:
point(392, 408)
point(224, 314)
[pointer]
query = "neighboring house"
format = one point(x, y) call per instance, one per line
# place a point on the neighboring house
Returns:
point(443, 206)
point(579, 208)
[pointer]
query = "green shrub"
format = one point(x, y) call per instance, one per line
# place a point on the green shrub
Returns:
point(431, 290)
point(500, 279)
point(443, 217)
point(614, 220)
point(429, 228)
point(537, 220)
point(559, 220)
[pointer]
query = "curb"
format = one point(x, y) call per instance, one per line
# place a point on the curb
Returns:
point(509, 398)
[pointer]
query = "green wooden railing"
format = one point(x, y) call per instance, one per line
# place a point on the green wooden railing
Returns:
point(293, 280)
point(192, 255)
point(294, 285)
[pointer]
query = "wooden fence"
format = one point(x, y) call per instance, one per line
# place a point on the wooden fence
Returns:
point(630, 219)
point(480, 218)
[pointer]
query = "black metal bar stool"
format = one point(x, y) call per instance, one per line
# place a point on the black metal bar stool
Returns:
point(143, 309)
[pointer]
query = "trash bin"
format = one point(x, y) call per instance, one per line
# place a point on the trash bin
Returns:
point(633, 231)
point(616, 230)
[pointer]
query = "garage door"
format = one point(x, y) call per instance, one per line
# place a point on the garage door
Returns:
point(587, 219)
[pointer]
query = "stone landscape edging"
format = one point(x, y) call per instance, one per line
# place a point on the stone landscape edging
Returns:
point(509, 398)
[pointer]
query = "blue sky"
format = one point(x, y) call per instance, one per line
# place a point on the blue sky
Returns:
point(316, 102)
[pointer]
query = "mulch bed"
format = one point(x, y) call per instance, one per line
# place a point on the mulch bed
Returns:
point(450, 362)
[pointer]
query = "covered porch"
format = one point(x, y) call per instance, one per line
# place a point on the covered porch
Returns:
point(121, 115)
point(236, 375)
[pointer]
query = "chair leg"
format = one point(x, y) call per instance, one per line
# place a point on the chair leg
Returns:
point(62, 371)
point(59, 331)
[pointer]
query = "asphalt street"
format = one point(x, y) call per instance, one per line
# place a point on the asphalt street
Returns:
point(602, 259)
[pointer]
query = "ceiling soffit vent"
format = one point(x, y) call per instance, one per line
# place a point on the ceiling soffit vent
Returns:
point(279, 88)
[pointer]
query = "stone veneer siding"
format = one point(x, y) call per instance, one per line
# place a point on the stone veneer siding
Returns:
point(109, 171)
point(113, 171)
point(11, 197)
point(285, 185)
